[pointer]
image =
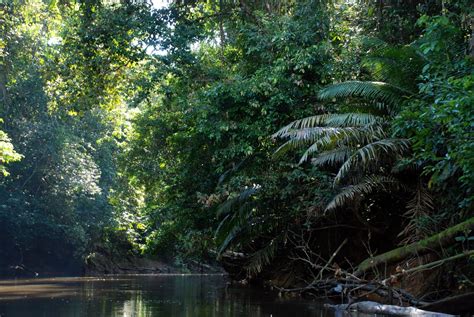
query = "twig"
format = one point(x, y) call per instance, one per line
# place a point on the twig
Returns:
point(320, 275)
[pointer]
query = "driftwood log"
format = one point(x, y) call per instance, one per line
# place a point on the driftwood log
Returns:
point(368, 307)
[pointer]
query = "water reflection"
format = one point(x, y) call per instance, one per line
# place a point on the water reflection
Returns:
point(145, 296)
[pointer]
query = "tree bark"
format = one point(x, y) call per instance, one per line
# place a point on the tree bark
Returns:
point(437, 241)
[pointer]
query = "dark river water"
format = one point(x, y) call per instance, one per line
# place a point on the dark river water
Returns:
point(143, 296)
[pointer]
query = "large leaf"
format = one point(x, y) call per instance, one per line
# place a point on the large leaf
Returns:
point(235, 212)
point(371, 154)
point(373, 91)
point(367, 186)
point(327, 120)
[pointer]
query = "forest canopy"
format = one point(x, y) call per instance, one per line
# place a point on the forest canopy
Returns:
point(208, 128)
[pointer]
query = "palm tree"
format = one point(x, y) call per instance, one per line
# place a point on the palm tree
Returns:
point(359, 141)
point(240, 225)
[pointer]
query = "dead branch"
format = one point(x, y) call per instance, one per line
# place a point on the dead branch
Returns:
point(430, 265)
point(320, 275)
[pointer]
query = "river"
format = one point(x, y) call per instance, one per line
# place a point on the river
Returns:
point(144, 296)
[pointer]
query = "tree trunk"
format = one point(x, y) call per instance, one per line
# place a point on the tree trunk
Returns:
point(221, 28)
point(471, 40)
point(437, 241)
point(4, 102)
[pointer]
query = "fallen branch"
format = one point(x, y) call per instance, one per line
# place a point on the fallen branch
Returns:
point(462, 303)
point(437, 241)
point(345, 286)
point(381, 288)
point(430, 265)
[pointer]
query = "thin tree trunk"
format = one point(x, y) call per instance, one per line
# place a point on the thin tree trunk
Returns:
point(471, 40)
point(3, 87)
point(4, 100)
point(221, 27)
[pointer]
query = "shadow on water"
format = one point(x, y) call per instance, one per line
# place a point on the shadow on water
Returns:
point(144, 296)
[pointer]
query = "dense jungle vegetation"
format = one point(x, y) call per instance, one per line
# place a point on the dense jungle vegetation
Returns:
point(290, 140)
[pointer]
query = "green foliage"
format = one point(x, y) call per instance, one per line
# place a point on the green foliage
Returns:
point(235, 214)
point(203, 137)
point(360, 143)
point(58, 200)
point(365, 187)
point(7, 153)
point(356, 143)
point(381, 92)
point(200, 147)
point(439, 120)
point(154, 130)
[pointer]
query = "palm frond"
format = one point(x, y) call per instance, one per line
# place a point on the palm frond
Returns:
point(229, 238)
point(389, 95)
point(309, 134)
point(350, 119)
point(363, 136)
point(332, 157)
point(332, 127)
point(307, 123)
point(351, 140)
point(236, 213)
point(230, 204)
point(399, 66)
point(232, 227)
point(301, 138)
point(419, 207)
point(371, 153)
point(259, 259)
point(353, 137)
point(421, 203)
point(368, 185)
point(317, 146)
